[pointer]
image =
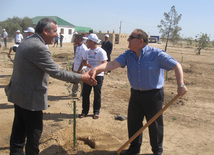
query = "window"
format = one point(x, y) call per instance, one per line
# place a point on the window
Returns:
point(62, 31)
point(70, 31)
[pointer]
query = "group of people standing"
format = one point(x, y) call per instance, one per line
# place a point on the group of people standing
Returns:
point(33, 64)
point(18, 39)
point(56, 40)
point(87, 57)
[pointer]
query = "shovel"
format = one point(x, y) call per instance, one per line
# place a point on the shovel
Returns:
point(147, 124)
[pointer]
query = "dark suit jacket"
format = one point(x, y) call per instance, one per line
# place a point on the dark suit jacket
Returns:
point(107, 46)
point(32, 66)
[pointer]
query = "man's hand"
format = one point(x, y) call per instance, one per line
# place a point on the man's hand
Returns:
point(87, 64)
point(93, 72)
point(88, 79)
point(79, 71)
point(182, 90)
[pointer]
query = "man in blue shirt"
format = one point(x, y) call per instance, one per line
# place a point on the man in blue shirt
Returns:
point(145, 67)
point(56, 38)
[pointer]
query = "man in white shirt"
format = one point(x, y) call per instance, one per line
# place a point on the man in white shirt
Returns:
point(80, 51)
point(19, 37)
point(5, 36)
point(93, 57)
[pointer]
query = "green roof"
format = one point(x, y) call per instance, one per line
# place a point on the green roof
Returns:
point(83, 29)
point(59, 21)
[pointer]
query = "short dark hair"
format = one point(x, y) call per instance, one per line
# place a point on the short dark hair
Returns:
point(79, 36)
point(142, 34)
point(14, 48)
point(83, 34)
point(44, 23)
point(91, 31)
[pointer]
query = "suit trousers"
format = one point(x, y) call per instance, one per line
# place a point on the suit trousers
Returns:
point(97, 96)
point(27, 124)
point(146, 104)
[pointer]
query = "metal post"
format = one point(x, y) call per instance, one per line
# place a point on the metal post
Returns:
point(74, 124)
point(5, 61)
point(166, 75)
point(69, 65)
point(120, 27)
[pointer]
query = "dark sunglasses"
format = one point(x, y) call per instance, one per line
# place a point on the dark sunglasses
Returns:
point(132, 37)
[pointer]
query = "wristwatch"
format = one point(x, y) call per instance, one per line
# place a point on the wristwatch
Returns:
point(181, 85)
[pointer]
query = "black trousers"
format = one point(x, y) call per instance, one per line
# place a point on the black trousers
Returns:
point(97, 96)
point(146, 104)
point(5, 42)
point(27, 125)
point(109, 59)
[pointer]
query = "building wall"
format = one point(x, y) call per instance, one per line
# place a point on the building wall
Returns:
point(67, 32)
point(115, 38)
point(118, 38)
point(101, 36)
point(122, 39)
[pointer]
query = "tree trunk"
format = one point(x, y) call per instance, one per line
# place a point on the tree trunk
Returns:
point(167, 39)
point(166, 44)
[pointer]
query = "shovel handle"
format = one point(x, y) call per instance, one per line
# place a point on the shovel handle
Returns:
point(147, 124)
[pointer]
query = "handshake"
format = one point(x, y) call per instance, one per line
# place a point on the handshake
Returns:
point(89, 77)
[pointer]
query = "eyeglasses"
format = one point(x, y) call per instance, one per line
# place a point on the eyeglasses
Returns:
point(132, 37)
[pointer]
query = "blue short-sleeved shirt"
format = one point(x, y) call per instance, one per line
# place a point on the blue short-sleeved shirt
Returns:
point(147, 71)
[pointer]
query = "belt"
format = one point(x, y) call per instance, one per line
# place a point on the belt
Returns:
point(141, 90)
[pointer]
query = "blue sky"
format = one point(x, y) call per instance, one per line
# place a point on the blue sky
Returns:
point(197, 15)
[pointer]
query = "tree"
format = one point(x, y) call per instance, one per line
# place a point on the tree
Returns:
point(14, 24)
point(202, 41)
point(212, 43)
point(26, 22)
point(175, 37)
point(189, 41)
point(169, 27)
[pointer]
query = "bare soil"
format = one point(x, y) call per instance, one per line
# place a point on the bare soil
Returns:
point(189, 122)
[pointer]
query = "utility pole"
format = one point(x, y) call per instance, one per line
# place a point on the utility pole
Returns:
point(120, 26)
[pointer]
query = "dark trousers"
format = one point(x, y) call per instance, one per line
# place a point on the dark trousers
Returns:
point(146, 103)
point(97, 96)
point(60, 43)
point(5, 42)
point(109, 59)
point(27, 124)
point(55, 43)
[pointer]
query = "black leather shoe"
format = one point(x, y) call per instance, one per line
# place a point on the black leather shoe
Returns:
point(130, 152)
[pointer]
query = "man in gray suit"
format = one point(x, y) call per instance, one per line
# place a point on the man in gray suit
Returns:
point(29, 84)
